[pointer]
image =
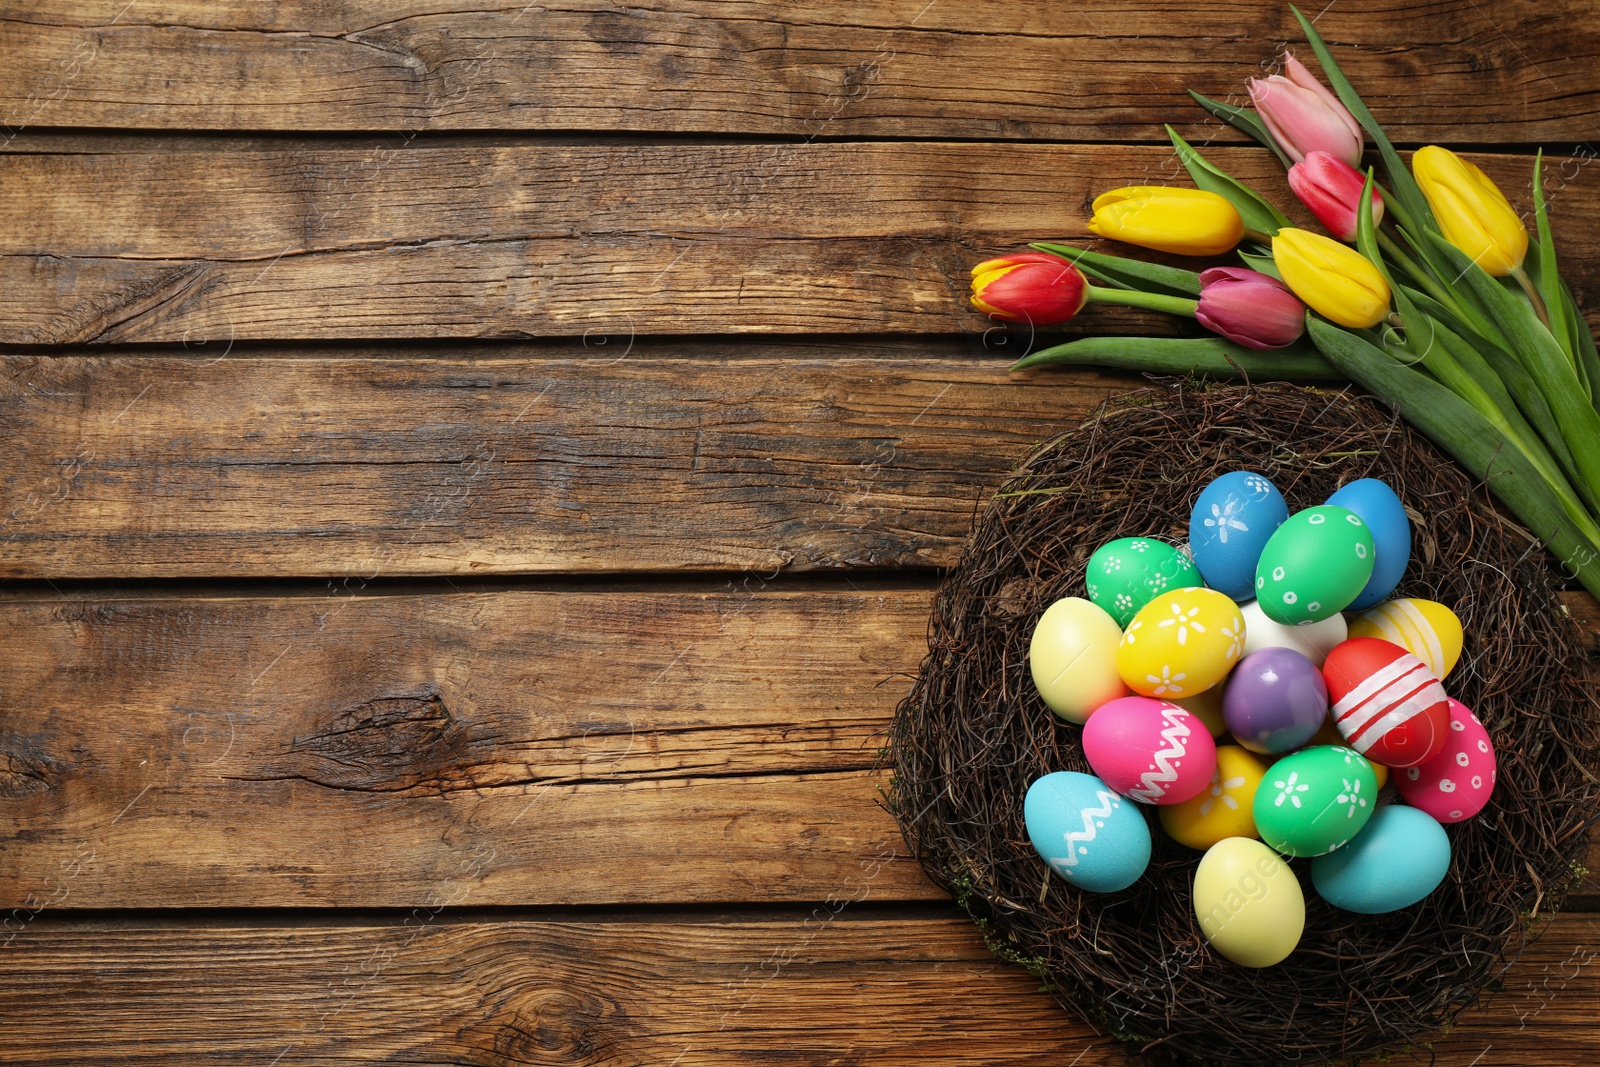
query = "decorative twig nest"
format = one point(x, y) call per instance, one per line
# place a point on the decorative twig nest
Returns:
point(973, 734)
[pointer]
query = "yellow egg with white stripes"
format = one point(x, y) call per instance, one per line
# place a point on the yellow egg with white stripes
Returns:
point(1425, 628)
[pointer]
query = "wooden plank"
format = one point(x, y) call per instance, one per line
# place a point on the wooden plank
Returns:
point(834, 986)
point(231, 241)
point(587, 748)
point(348, 467)
point(525, 747)
point(1453, 71)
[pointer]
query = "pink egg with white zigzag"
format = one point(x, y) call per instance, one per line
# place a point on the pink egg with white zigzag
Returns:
point(1455, 784)
point(1149, 750)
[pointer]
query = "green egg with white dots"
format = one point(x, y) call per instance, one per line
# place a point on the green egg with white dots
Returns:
point(1126, 574)
point(1314, 566)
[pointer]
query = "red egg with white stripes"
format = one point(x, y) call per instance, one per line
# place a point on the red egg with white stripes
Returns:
point(1455, 784)
point(1149, 750)
point(1387, 704)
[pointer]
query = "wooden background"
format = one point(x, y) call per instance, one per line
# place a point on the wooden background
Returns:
point(475, 481)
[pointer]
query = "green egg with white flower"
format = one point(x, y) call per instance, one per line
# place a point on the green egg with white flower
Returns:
point(1312, 801)
point(1314, 566)
point(1126, 574)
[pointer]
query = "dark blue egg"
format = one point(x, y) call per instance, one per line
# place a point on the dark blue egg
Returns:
point(1230, 524)
point(1385, 517)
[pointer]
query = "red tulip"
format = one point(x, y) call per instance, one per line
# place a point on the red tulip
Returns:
point(1331, 187)
point(1034, 287)
point(1249, 308)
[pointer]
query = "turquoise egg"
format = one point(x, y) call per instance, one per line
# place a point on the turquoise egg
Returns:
point(1231, 522)
point(1380, 508)
point(1126, 574)
point(1089, 835)
point(1314, 566)
point(1398, 858)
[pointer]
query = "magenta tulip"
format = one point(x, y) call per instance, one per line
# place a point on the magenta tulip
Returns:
point(1331, 188)
point(1303, 116)
point(1249, 308)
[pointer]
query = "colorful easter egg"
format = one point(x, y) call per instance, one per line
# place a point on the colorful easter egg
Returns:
point(1181, 643)
point(1380, 508)
point(1316, 563)
point(1398, 858)
point(1085, 832)
point(1225, 808)
point(1073, 658)
point(1275, 700)
point(1207, 707)
point(1126, 574)
point(1249, 903)
point(1231, 521)
point(1386, 702)
point(1425, 628)
point(1312, 640)
point(1149, 750)
point(1314, 800)
point(1455, 784)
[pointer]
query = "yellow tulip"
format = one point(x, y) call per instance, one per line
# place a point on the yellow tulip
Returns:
point(1333, 279)
point(1189, 222)
point(1473, 213)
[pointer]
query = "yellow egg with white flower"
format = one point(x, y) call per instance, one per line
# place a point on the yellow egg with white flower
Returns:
point(1222, 809)
point(1181, 643)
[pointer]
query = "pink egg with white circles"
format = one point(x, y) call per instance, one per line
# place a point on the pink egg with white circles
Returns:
point(1455, 784)
point(1150, 750)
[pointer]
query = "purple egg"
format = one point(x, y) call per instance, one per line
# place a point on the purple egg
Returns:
point(1275, 700)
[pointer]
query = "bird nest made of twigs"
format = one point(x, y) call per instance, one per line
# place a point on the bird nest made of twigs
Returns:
point(973, 734)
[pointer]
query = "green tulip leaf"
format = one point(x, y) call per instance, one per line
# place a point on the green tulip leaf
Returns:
point(1213, 357)
point(1259, 216)
point(1582, 342)
point(1260, 263)
point(1548, 280)
point(1126, 273)
point(1245, 121)
point(1545, 360)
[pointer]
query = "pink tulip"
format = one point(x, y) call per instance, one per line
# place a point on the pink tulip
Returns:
point(1249, 308)
point(1331, 188)
point(1303, 116)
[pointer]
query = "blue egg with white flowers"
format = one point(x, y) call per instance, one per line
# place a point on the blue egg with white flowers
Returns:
point(1380, 508)
point(1399, 857)
point(1086, 833)
point(1228, 528)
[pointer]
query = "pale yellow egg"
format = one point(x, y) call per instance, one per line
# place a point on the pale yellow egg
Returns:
point(1249, 902)
point(1073, 658)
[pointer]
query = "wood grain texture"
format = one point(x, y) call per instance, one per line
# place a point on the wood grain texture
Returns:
point(1452, 71)
point(148, 466)
point(832, 987)
point(573, 748)
point(497, 748)
point(226, 241)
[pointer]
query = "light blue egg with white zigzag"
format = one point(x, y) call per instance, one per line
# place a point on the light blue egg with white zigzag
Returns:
point(1096, 840)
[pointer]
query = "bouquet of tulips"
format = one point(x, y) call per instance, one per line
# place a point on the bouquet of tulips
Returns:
point(1429, 293)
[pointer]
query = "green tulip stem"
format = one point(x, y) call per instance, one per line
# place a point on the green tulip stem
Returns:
point(1420, 274)
point(1172, 305)
point(1394, 207)
point(1533, 295)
